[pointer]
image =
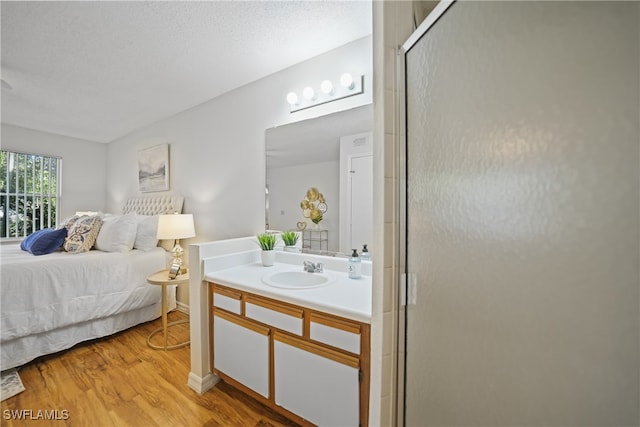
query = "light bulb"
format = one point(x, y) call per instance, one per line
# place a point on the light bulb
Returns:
point(292, 98)
point(309, 93)
point(327, 87)
point(346, 80)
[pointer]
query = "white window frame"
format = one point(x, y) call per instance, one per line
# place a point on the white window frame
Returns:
point(12, 195)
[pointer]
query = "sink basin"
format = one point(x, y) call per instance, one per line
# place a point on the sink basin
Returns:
point(297, 279)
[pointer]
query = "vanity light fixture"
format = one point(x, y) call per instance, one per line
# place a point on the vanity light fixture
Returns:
point(346, 80)
point(327, 87)
point(348, 86)
point(309, 94)
point(292, 98)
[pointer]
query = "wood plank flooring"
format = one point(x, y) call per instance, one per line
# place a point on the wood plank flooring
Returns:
point(121, 381)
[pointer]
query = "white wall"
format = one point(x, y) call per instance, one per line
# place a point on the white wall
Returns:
point(217, 149)
point(84, 169)
point(289, 185)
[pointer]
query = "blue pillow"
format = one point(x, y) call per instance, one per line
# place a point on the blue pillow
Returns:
point(44, 241)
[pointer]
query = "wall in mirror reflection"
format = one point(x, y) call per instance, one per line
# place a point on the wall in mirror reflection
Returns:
point(307, 154)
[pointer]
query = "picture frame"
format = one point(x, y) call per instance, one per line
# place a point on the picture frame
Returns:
point(153, 168)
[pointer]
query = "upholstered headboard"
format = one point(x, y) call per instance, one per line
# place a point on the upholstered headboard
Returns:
point(154, 205)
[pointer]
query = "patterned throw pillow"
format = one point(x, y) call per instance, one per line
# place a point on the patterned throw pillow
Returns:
point(68, 222)
point(83, 234)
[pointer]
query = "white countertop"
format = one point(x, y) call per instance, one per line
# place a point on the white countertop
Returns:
point(349, 298)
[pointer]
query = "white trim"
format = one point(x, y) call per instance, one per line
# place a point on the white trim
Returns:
point(182, 307)
point(202, 384)
point(431, 19)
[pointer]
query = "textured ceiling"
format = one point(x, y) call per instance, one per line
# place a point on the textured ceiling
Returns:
point(99, 70)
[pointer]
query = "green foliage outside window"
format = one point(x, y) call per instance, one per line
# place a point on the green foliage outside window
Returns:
point(28, 193)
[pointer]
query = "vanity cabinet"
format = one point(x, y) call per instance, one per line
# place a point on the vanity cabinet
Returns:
point(242, 351)
point(311, 366)
point(312, 381)
point(280, 316)
point(332, 331)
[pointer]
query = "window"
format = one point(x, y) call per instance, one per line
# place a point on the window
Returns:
point(29, 193)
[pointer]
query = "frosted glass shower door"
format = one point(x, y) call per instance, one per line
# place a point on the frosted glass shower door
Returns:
point(523, 216)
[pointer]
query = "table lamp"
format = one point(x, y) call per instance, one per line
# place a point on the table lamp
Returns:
point(176, 227)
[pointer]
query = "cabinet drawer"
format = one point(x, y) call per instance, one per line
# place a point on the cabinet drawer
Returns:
point(335, 332)
point(320, 386)
point(227, 299)
point(241, 351)
point(281, 316)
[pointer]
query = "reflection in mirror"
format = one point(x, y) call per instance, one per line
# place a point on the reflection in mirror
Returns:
point(334, 154)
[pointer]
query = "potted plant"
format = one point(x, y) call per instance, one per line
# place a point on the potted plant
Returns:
point(267, 242)
point(290, 238)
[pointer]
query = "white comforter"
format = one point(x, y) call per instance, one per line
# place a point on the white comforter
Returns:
point(44, 293)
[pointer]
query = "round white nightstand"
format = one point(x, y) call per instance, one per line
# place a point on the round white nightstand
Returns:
point(161, 278)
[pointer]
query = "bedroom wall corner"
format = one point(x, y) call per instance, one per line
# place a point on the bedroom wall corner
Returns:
point(84, 170)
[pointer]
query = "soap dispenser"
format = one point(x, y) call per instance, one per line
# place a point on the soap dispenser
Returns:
point(365, 253)
point(355, 265)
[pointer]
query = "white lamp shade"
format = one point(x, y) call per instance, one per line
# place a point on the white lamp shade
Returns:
point(177, 226)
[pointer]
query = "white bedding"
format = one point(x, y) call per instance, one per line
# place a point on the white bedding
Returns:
point(54, 301)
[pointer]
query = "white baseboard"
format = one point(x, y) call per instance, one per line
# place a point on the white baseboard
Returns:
point(201, 385)
point(180, 306)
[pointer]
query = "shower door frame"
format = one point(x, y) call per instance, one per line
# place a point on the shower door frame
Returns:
point(406, 284)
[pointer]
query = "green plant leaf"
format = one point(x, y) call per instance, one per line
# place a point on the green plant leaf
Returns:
point(267, 241)
point(290, 238)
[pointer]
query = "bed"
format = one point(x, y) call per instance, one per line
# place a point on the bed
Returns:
point(52, 302)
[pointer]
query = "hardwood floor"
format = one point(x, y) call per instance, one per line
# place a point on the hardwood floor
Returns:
point(121, 381)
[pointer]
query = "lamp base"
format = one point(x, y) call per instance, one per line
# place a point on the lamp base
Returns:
point(177, 253)
point(178, 265)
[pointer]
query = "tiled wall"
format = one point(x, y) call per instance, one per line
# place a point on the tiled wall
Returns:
point(392, 25)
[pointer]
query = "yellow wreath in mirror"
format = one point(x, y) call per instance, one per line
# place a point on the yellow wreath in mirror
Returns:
point(313, 205)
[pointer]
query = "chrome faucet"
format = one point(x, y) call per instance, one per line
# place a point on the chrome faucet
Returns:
point(311, 267)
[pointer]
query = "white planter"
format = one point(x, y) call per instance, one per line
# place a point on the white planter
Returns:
point(268, 258)
point(291, 249)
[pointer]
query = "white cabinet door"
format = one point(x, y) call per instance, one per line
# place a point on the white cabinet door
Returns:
point(314, 386)
point(241, 351)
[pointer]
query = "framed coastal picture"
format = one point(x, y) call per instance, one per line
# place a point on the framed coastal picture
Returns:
point(153, 168)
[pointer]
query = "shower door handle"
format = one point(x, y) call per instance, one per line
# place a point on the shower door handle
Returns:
point(408, 289)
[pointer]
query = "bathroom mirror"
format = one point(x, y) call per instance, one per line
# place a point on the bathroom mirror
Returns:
point(332, 153)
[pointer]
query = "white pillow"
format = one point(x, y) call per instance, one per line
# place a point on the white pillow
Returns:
point(146, 233)
point(117, 233)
